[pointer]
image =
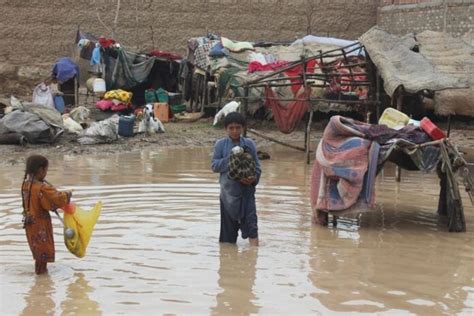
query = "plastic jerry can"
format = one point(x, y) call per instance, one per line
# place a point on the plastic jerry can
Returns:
point(125, 126)
point(59, 103)
point(161, 111)
point(98, 85)
point(150, 96)
point(394, 118)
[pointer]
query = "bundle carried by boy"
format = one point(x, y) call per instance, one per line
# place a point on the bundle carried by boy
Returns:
point(241, 164)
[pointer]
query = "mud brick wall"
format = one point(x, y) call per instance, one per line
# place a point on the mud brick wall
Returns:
point(403, 16)
point(40, 31)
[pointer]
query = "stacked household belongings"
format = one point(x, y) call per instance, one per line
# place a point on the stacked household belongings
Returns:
point(127, 70)
point(231, 64)
point(30, 123)
point(351, 153)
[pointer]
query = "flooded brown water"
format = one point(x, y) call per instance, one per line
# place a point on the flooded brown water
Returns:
point(155, 249)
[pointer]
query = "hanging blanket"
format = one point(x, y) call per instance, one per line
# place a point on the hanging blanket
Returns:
point(131, 69)
point(339, 176)
point(287, 117)
point(296, 71)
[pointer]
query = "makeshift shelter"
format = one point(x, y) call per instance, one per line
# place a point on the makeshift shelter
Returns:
point(131, 71)
point(286, 80)
point(331, 79)
point(66, 73)
point(430, 65)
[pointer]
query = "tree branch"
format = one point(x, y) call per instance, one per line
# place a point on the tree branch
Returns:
point(116, 18)
point(103, 24)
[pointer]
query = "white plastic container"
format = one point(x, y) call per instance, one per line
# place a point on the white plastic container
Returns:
point(99, 85)
point(394, 118)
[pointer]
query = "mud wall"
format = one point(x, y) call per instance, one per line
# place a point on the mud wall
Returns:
point(35, 33)
point(403, 16)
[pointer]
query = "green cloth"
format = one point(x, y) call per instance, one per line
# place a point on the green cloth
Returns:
point(226, 79)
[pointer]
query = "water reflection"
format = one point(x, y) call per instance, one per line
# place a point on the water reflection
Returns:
point(155, 251)
point(39, 300)
point(77, 300)
point(373, 273)
point(237, 269)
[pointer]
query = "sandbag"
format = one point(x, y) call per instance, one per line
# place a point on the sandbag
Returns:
point(105, 131)
point(82, 223)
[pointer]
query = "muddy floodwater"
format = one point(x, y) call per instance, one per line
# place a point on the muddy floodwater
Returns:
point(155, 248)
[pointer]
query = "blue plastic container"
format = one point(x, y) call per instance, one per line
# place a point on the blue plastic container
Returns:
point(125, 126)
point(59, 103)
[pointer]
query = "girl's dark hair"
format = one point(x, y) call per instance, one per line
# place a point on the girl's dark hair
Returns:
point(33, 164)
point(234, 117)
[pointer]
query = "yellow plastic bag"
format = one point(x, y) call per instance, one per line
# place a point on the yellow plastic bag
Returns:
point(82, 224)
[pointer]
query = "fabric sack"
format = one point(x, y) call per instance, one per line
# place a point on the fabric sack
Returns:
point(241, 166)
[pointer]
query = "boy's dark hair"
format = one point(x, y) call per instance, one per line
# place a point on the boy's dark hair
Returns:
point(234, 117)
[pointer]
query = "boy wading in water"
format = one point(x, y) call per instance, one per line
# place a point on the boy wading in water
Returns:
point(38, 199)
point(237, 197)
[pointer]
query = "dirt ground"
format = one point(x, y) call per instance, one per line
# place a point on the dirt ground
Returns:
point(197, 134)
point(178, 134)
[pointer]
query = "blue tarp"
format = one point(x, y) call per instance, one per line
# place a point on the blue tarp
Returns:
point(65, 69)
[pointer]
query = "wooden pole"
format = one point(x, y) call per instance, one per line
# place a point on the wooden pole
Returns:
point(308, 132)
point(303, 75)
point(398, 169)
point(255, 132)
point(377, 94)
point(245, 103)
point(310, 118)
point(449, 124)
point(204, 92)
point(76, 91)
